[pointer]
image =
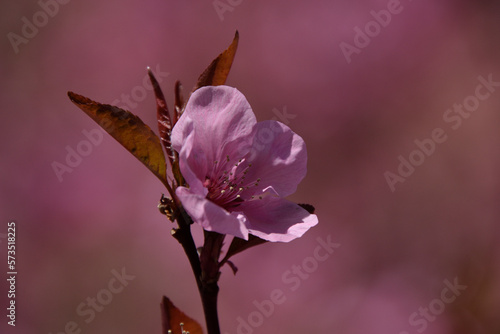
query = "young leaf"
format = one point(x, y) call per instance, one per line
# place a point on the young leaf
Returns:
point(129, 130)
point(179, 101)
point(163, 116)
point(308, 207)
point(180, 104)
point(172, 317)
point(238, 245)
point(216, 73)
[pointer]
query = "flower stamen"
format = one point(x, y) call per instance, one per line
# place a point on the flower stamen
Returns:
point(225, 186)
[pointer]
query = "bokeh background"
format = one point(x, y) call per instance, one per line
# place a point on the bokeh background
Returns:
point(397, 248)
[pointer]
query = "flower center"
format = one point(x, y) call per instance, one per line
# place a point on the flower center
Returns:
point(228, 183)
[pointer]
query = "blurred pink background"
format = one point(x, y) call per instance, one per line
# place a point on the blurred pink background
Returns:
point(398, 249)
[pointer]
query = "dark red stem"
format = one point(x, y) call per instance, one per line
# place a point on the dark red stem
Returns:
point(205, 268)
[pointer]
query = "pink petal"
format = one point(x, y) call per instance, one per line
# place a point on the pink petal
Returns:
point(193, 164)
point(211, 216)
point(277, 219)
point(221, 119)
point(278, 157)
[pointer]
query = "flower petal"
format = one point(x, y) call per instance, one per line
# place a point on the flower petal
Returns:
point(277, 219)
point(193, 165)
point(278, 157)
point(211, 216)
point(222, 120)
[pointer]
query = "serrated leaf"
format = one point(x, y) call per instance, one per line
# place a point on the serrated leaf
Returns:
point(172, 317)
point(163, 116)
point(179, 101)
point(129, 130)
point(216, 73)
point(180, 104)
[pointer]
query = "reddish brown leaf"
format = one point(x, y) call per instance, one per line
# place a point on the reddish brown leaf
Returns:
point(163, 116)
point(178, 110)
point(179, 101)
point(216, 73)
point(308, 207)
point(129, 130)
point(238, 245)
point(172, 317)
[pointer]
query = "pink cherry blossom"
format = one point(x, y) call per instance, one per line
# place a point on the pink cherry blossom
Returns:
point(238, 170)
